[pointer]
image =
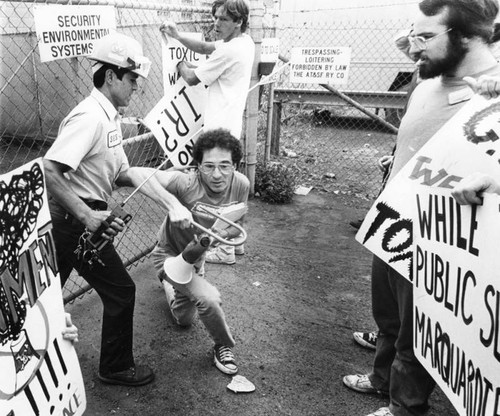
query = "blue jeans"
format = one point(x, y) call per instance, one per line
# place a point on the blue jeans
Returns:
point(395, 367)
point(112, 283)
point(197, 295)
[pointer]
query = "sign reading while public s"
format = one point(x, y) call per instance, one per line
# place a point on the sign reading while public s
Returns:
point(67, 31)
point(318, 65)
point(467, 143)
point(40, 374)
point(457, 299)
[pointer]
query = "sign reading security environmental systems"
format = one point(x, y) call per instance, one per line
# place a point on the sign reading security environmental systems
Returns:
point(69, 31)
point(314, 65)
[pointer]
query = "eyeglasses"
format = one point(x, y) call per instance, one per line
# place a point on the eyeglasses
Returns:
point(209, 168)
point(420, 42)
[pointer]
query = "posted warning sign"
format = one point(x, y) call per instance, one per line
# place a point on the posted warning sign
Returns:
point(65, 31)
point(314, 65)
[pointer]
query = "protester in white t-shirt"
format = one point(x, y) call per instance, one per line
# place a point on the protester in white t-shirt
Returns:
point(228, 68)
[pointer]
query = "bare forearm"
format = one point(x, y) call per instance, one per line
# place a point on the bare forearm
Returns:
point(198, 46)
point(148, 180)
point(169, 29)
point(187, 73)
point(230, 233)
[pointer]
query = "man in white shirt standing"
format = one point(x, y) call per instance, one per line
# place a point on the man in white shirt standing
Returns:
point(227, 70)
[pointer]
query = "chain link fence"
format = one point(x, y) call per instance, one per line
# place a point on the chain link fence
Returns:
point(331, 136)
point(36, 96)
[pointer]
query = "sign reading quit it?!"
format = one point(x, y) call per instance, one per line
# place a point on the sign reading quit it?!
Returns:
point(316, 65)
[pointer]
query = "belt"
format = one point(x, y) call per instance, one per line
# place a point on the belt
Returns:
point(95, 205)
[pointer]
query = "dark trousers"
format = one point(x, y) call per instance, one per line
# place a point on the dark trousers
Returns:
point(395, 367)
point(112, 283)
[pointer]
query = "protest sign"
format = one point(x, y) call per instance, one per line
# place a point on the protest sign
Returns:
point(467, 143)
point(40, 370)
point(172, 53)
point(67, 31)
point(457, 297)
point(314, 65)
point(176, 121)
point(269, 49)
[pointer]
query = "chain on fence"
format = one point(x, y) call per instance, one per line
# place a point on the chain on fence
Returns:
point(332, 136)
point(35, 97)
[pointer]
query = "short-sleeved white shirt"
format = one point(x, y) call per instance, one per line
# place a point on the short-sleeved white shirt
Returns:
point(89, 141)
point(227, 73)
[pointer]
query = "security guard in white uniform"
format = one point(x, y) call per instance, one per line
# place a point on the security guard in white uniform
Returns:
point(83, 166)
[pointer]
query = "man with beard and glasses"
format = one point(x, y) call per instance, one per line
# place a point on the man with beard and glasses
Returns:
point(450, 40)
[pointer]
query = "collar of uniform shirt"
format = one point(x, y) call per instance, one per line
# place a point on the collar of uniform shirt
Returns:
point(106, 105)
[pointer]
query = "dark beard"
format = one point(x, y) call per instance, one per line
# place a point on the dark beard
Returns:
point(447, 65)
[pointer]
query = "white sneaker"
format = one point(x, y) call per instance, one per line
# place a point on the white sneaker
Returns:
point(366, 339)
point(383, 411)
point(221, 254)
point(239, 250)
point(362, 384)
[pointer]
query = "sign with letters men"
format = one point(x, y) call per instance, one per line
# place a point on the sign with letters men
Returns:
point(40, 374)
point(315, 65)
point(467, 143)
point(67, 31)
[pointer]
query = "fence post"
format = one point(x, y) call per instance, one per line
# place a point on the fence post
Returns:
point(276, 128)
point(271, 145)
point(269, 135)
point(252, 111)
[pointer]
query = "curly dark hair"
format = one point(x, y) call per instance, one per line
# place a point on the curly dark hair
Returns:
point(221, 138)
